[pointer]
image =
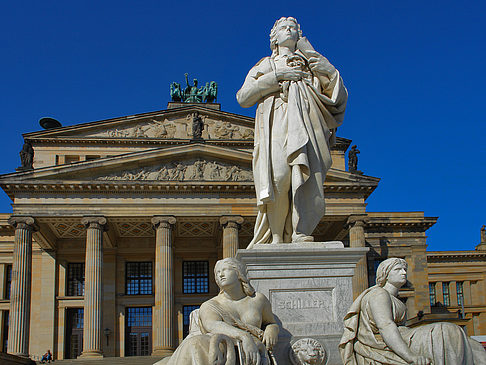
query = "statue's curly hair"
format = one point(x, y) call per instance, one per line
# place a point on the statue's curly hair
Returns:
point(240, 269)
point(273, 33)
point(385, 267)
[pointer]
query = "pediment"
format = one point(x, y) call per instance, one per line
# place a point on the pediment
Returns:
point(186, 163)
point(171, 124)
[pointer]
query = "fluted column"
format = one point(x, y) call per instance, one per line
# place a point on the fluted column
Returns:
point(93, 287)
point(19, 318)
point(357, 239)
point(163, 342)
point(231, 224)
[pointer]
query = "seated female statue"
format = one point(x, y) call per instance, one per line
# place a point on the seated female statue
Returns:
point(237, 316)
point(374, 334)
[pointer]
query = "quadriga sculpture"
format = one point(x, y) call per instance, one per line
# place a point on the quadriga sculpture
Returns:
point(374, 334)
point(237, 323)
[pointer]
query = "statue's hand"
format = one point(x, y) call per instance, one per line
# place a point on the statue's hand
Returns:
point(252, 355)
point(270, 338)
point(420, 360)
point(286, 73)
point(320, 64)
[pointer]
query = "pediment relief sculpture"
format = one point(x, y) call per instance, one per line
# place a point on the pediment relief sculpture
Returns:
point(198, 170)
point(180, 128)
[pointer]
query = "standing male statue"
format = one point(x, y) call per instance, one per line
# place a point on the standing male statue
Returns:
point(301, 101)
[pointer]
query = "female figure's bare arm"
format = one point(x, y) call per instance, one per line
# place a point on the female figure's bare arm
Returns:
point(270, 335)
point(213, 323)
point(381, 309)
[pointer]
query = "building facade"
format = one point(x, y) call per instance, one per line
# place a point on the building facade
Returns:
point(116, 229)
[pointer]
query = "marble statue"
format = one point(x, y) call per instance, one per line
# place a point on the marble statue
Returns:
point(301, 101)
point(236, 324)
point(27, 156)
point(374, 331)
point(353, 159)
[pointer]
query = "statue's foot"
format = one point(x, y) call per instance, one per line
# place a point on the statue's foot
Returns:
point(300, 237)
point(277, 239)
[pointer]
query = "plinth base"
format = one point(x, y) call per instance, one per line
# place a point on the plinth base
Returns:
point(162, 352)
point(309, 286)
point(90, 355)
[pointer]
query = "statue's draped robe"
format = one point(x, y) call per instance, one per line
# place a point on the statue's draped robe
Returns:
point(201, 347)
point(310, 109)
point(444, 343)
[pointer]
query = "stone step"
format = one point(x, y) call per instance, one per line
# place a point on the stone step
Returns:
point(129, 360)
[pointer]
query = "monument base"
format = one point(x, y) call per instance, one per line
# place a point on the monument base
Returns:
point(310, 288)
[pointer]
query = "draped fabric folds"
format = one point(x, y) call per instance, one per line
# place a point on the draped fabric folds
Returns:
point(444, 343)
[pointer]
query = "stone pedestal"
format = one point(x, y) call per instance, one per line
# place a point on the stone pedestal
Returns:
point(18, 332)
point(93, 288)
point(231, 225)
point(309, 286)
point(163, 324)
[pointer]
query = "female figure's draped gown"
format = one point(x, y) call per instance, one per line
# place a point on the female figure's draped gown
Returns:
point(444, 343)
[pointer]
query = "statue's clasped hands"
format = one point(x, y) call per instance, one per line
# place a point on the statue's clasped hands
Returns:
point(320, 64)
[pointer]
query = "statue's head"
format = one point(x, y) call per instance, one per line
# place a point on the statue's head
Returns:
point(239, 270)
point(386, 267)
point(279, 27)
point(195, 82)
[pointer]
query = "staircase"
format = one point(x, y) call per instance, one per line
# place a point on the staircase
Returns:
point(130, 360)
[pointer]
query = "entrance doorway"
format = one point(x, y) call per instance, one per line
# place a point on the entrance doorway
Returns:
point(138, 331)
point(74, 332)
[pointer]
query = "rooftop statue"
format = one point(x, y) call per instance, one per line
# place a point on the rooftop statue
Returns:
point(237, 323)
point(374, 332)
point(27, 156)
point(301, 101)
point(353, 159)
point(193, 94)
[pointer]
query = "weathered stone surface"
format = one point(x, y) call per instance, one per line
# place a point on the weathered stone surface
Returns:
point(309, 286)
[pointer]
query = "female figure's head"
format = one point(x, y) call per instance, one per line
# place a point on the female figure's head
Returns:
point(393, 270)
point(285, 32)
point(230, 271)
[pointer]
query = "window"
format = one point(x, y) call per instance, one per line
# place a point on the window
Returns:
point(446, 294)
point(75, 279)
point(8, 281)
point(5, 331)
point(92, 157)
point(460, 293)
point(195, 277)
point(71, 159)
point(138, 278)
point(138, 331)
point(186, 311)
point(433, 298)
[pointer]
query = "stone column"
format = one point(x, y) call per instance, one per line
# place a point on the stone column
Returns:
point(93, 287)
point(19, 317)
point(163, 342)
point(357, 239)
point(231, 224)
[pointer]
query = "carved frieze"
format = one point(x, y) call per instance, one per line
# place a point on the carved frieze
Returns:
point(198, 170)
point(181, 128)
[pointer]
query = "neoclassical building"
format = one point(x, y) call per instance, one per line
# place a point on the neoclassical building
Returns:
point(116, 228)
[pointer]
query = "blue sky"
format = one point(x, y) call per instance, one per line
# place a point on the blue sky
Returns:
point(414, 72)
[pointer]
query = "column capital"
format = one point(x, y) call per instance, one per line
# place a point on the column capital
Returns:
point(357, 220)
point(97, 222)
point(231, 221)
point(25, 222)
point(163, 221)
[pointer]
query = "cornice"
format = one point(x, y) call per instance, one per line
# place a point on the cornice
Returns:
point(420, 224)
point(148, 187)
point(455, 256)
